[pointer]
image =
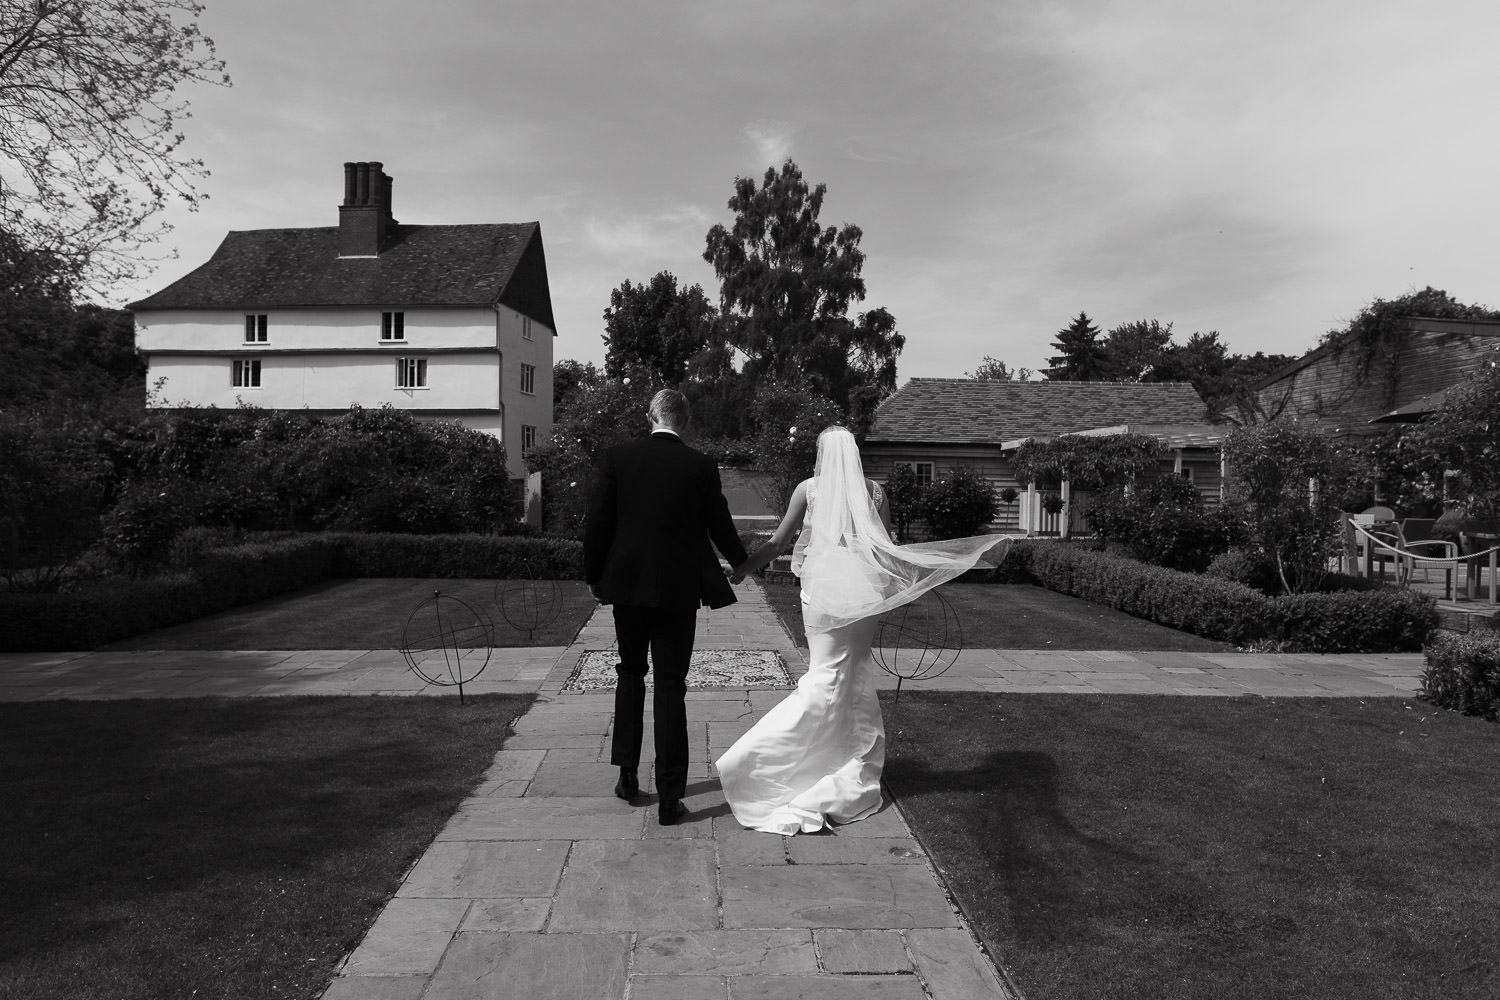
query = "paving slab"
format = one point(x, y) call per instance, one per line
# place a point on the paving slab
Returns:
point(505, 966)
point(637, 885)
point(487, 869)
point(408, 938)
point(543, 819)
point(862, 951)
point(833, 896)
point(678, 987)
point(508, 914)
point(726, 952)
point(816, 850)
point(954, 968)
point(826, 988)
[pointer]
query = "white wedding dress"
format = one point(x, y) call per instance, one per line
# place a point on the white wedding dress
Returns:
point(817, 756)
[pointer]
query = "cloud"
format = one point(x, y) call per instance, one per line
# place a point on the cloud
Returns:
point(771, 140)
point(647, 235)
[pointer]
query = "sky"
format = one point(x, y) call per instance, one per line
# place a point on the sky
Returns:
point(1262, 169)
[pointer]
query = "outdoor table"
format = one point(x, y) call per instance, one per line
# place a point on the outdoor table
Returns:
point(1478, 541)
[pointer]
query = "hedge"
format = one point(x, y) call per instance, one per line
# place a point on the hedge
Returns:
point(1349, 621)
point(227, 577)
point(1462, 672)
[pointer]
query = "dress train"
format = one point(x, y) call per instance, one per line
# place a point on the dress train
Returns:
point(817, 756)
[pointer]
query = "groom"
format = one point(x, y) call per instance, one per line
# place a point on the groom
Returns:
point(656, 505)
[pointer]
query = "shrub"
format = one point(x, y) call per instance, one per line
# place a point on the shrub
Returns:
point(1383, 620)
point(260, 567)
point(787, 423)
point(1285, 475)
point(1164, 522)
point(903, 498)
point(1216, 609)
point(1245, 567)
point(1462, 672)
point(136, 534)
point(1371, 621)
point(959, 504)
point(460, 556)
point(53, 485)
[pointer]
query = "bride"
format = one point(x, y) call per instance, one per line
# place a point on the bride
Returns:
point(817, 757)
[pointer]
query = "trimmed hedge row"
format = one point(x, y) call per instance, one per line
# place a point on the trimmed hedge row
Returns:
point(223, 578)
point(1350, 621)
point(462, 556)
point(1462, 672)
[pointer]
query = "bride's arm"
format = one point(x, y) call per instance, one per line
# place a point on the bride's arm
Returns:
point(782, 540)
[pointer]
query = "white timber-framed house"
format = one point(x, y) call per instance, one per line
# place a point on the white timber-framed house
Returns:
point(450, 322)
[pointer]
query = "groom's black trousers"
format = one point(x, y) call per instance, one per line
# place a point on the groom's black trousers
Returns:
point(669, 637)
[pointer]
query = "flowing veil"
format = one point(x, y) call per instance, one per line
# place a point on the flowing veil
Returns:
point(851, 568)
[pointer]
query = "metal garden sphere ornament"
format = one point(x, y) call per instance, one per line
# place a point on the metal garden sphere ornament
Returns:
point(447, 642)
point(528, 603)
point(920, 640)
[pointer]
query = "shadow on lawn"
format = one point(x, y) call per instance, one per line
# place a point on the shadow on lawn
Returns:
point(240, 829)
point(1029, 839)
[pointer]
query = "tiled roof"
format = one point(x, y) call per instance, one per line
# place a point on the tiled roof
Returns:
point(978, 411)
point(474, 265)
point(1172, 435)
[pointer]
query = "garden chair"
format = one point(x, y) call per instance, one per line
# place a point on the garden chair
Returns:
point(1414, 534)
point(1378, 542)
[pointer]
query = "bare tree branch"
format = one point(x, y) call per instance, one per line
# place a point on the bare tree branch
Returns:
point(90, 140)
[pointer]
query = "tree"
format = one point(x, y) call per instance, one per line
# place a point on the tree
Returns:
point(567, 377)
point(1135, 351)
point(1081, 356)
point(90, 147)
point(959, 504)
point(995, 370)
point(786, 286)
point(786, 425)
point(1464, 436)
point(55, 349)
point(1287, 477)
point(657, 327)
point(903, 499)
point(599, 412)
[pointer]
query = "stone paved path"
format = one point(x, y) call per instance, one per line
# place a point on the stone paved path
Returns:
point(544, 885)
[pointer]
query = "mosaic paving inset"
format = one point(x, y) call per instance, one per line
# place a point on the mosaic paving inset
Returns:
point(712, 668)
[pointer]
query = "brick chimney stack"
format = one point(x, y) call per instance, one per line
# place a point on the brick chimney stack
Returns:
point(365, 215)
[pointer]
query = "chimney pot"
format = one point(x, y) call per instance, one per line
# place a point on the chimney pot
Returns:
point(365, 215)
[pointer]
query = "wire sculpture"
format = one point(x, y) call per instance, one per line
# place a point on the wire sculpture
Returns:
point(454, 628)
point(528, 603)
point(920, 640)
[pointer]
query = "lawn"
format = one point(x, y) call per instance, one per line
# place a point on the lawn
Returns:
point(1197, 848)
point(1023, 616)
point(372, 614)
point(214, 847)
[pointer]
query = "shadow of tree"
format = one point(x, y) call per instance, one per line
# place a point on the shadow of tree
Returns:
point(1028, 838)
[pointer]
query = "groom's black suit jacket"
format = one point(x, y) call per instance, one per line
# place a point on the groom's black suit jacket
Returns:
point(656, 505)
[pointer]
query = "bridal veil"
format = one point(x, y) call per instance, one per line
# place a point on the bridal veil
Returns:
point(851, 568)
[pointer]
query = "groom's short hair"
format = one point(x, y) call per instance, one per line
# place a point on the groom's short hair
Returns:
point(670, 408)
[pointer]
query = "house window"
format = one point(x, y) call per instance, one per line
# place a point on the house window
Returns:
point(922, 470)
point(411, 373)
point(528, 379)
point(393, 326)
point(526, 328)
point(1187, 473)
point(528, 438)
point(246, 373)
point(255, 329)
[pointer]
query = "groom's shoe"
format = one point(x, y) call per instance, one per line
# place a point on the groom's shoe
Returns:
point(629, 786)
point(671, 812)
